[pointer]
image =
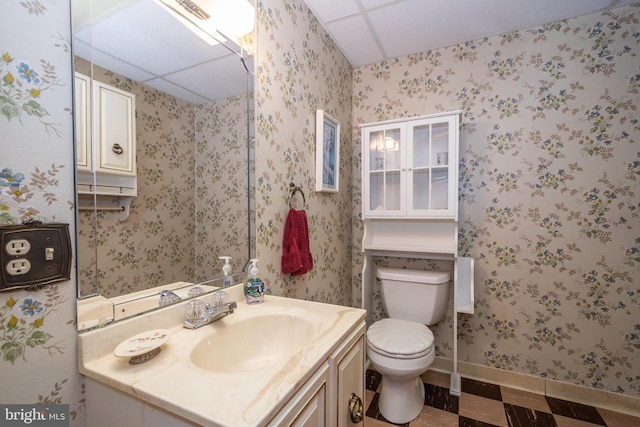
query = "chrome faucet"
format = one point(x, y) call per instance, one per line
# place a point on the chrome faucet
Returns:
point(168, 297)
point(210, 315)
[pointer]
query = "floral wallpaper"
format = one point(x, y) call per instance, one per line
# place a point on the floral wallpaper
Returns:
point(37, 327)
point(300, 70)
point(222, 181)
point(132, 254)
point(548, 194)
point(191, 199)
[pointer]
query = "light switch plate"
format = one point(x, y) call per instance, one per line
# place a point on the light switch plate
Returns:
point(34, 255)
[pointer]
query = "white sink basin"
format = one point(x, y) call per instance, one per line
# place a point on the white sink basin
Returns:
point(252, 343)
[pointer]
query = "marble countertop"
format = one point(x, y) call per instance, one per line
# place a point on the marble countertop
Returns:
point(173, 382)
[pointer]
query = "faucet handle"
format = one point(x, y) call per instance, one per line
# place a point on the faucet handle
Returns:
point(195, 291)
point(168, 297)
point(219, 298)
point(194, 310)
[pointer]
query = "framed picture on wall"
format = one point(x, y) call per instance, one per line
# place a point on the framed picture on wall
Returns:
point(327, 152)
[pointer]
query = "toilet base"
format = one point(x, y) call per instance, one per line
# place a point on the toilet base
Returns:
point(401, 399)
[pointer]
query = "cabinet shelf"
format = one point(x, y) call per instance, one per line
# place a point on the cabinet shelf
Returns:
point(436, 248)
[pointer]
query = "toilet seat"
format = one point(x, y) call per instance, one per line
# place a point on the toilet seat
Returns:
point(400, 339)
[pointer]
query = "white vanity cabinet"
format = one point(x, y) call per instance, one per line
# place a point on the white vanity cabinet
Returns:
point(348, 370)
point(320, 385)
point(309, 407)
point(105, 138)
point(410, 167)
point(334, 396)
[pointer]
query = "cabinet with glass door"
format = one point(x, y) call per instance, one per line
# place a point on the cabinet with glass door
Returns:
point(410, 167)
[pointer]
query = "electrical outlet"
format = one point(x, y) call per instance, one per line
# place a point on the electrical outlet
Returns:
point(18, 247)
point(34, 254)
point(18, 267)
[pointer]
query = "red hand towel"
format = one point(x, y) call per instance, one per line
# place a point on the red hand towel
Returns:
point(290, 253)
point(296, 256)
point(303, 244)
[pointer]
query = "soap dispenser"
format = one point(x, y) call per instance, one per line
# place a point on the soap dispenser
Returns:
point(227, 280)
point(254, 287)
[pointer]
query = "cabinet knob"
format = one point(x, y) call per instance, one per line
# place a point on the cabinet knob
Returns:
point(117, 149)
point(355, 408)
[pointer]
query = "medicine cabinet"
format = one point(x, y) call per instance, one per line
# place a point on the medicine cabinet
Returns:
point(106, 114)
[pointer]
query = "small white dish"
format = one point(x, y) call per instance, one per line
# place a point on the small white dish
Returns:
point(142, 343)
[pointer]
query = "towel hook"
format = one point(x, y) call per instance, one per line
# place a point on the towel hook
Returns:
point(293, 189)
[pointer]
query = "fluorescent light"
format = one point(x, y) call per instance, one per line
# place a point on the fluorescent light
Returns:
point(213, 19)
point(212, 37)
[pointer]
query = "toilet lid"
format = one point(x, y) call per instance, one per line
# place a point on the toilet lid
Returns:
point(400, 339)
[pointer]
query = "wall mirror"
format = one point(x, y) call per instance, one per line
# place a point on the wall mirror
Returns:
point(193, 121)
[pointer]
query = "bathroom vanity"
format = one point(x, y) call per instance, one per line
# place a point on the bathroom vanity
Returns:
point(283, 362)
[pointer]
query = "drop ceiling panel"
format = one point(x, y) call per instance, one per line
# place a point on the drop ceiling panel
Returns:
point(140, 40)
point(402, 27)
point(120, 67)
point(355, 40)
point(208, 75)
point(177, 91)
point(329, 10)
point(139, 36)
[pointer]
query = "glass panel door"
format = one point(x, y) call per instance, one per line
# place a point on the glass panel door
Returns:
point(384, 170)
point(440, 163)
point(376, 171)
point(420, 167)
point(440, 144)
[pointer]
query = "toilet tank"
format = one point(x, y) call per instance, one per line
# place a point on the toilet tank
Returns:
point(414, 295)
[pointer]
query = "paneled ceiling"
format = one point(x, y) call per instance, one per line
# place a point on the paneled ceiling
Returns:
point(369, 31)
point(139, 40)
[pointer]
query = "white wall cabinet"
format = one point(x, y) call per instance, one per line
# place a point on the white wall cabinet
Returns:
point(82, 116)
point(410, 202)
point(115, 126)
point(410, 168)
point(105, 138)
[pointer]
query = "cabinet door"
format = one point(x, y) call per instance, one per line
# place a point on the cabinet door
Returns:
point(432, 167)
point(313, 415)
point(383, 177)
point(308, 407)
point(82, 115)
point(115, 122)
point(351, 381)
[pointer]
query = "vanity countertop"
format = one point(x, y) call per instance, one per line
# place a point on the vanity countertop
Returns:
point(171, 380)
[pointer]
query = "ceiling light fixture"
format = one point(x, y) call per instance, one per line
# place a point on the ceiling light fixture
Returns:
point(213, 20)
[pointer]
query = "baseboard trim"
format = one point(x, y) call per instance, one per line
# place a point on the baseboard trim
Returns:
point(547, 387)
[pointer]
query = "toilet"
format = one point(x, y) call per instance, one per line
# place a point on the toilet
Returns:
point(401, 347)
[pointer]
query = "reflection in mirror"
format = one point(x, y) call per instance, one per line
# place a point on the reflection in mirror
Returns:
point(193, 127)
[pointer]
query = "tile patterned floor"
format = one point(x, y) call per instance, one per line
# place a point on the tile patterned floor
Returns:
point(488, 405)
